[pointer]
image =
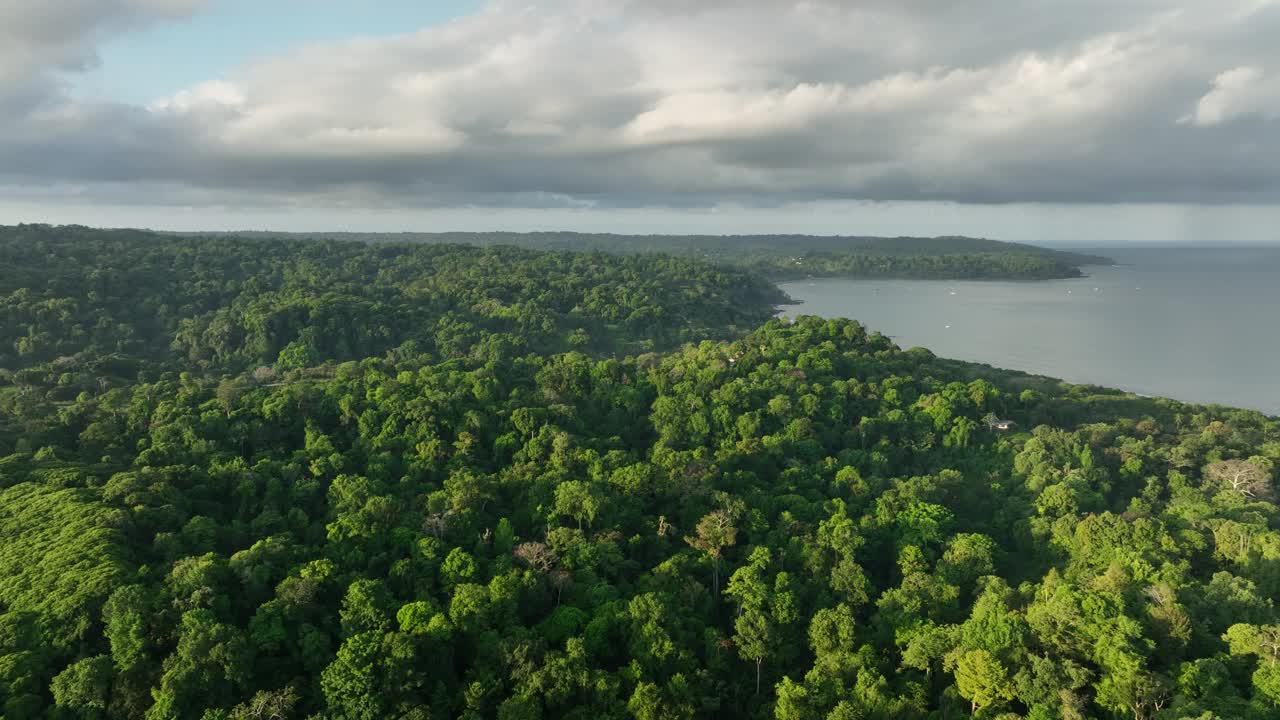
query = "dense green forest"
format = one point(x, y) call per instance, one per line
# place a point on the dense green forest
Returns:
point(247, 478)
point(788, 257)
point(79, 306)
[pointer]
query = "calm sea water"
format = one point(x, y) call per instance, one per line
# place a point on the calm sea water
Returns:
point(1197, 325)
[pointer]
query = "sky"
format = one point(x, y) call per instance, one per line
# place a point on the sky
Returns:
point(1085, 122)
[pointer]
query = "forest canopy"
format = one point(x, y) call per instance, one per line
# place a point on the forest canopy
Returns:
point(249, 478)
point(78, 303)
point(788, 257)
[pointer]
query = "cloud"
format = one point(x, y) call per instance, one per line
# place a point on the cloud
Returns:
point(211, 95)
point(41, 38)
point(630, 103)
point(1238, 92)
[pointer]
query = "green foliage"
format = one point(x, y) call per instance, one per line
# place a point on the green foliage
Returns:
point(982, 680)
point(63, 553)
point(496, 532)
point(80, 308)
point(85, 686)
point(791, 256)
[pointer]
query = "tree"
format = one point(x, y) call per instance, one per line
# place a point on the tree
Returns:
point(561, 580)
point(1260, 640)
point(212, 660)
point(1143, 694)
point(578, 500)
point(714, 533)
point(674, 701)
point(85, 686)
point(125, 617)
point(1249, 478)
point(536, 555)
point(351, 683)
point(653, 630)
point(267, 705)
point(458, 567)
point(229, 393)
point(366, 608)
point(794, 702)
point(762, 607)
point(504, 536)
point(981, 679)
point(968, 557)
point(755, 637)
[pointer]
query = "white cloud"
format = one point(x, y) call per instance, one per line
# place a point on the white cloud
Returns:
point(214, 94)
point(1237, 92)
point(630, 103)
point(42, 36)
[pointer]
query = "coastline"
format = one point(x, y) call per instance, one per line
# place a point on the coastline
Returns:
point(1092, 338)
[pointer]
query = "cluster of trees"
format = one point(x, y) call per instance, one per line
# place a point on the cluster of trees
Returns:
point(804, 521)
point(966, 266)
point(785, 257)
point(79, 307)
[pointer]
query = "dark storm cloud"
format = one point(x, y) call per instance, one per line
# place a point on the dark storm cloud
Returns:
point(631, 104)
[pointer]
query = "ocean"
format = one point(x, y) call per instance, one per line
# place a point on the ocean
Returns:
point(1199, 325)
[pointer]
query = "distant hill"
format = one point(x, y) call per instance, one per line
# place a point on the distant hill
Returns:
point(781, 256)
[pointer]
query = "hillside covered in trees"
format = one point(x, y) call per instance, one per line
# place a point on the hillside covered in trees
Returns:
point(79, 305)
point(267, 479)
point(787, 257)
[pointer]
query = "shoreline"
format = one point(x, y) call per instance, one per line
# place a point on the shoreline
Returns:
point(1076, 377)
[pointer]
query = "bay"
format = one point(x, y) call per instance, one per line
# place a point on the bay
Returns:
point(1198, 325)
